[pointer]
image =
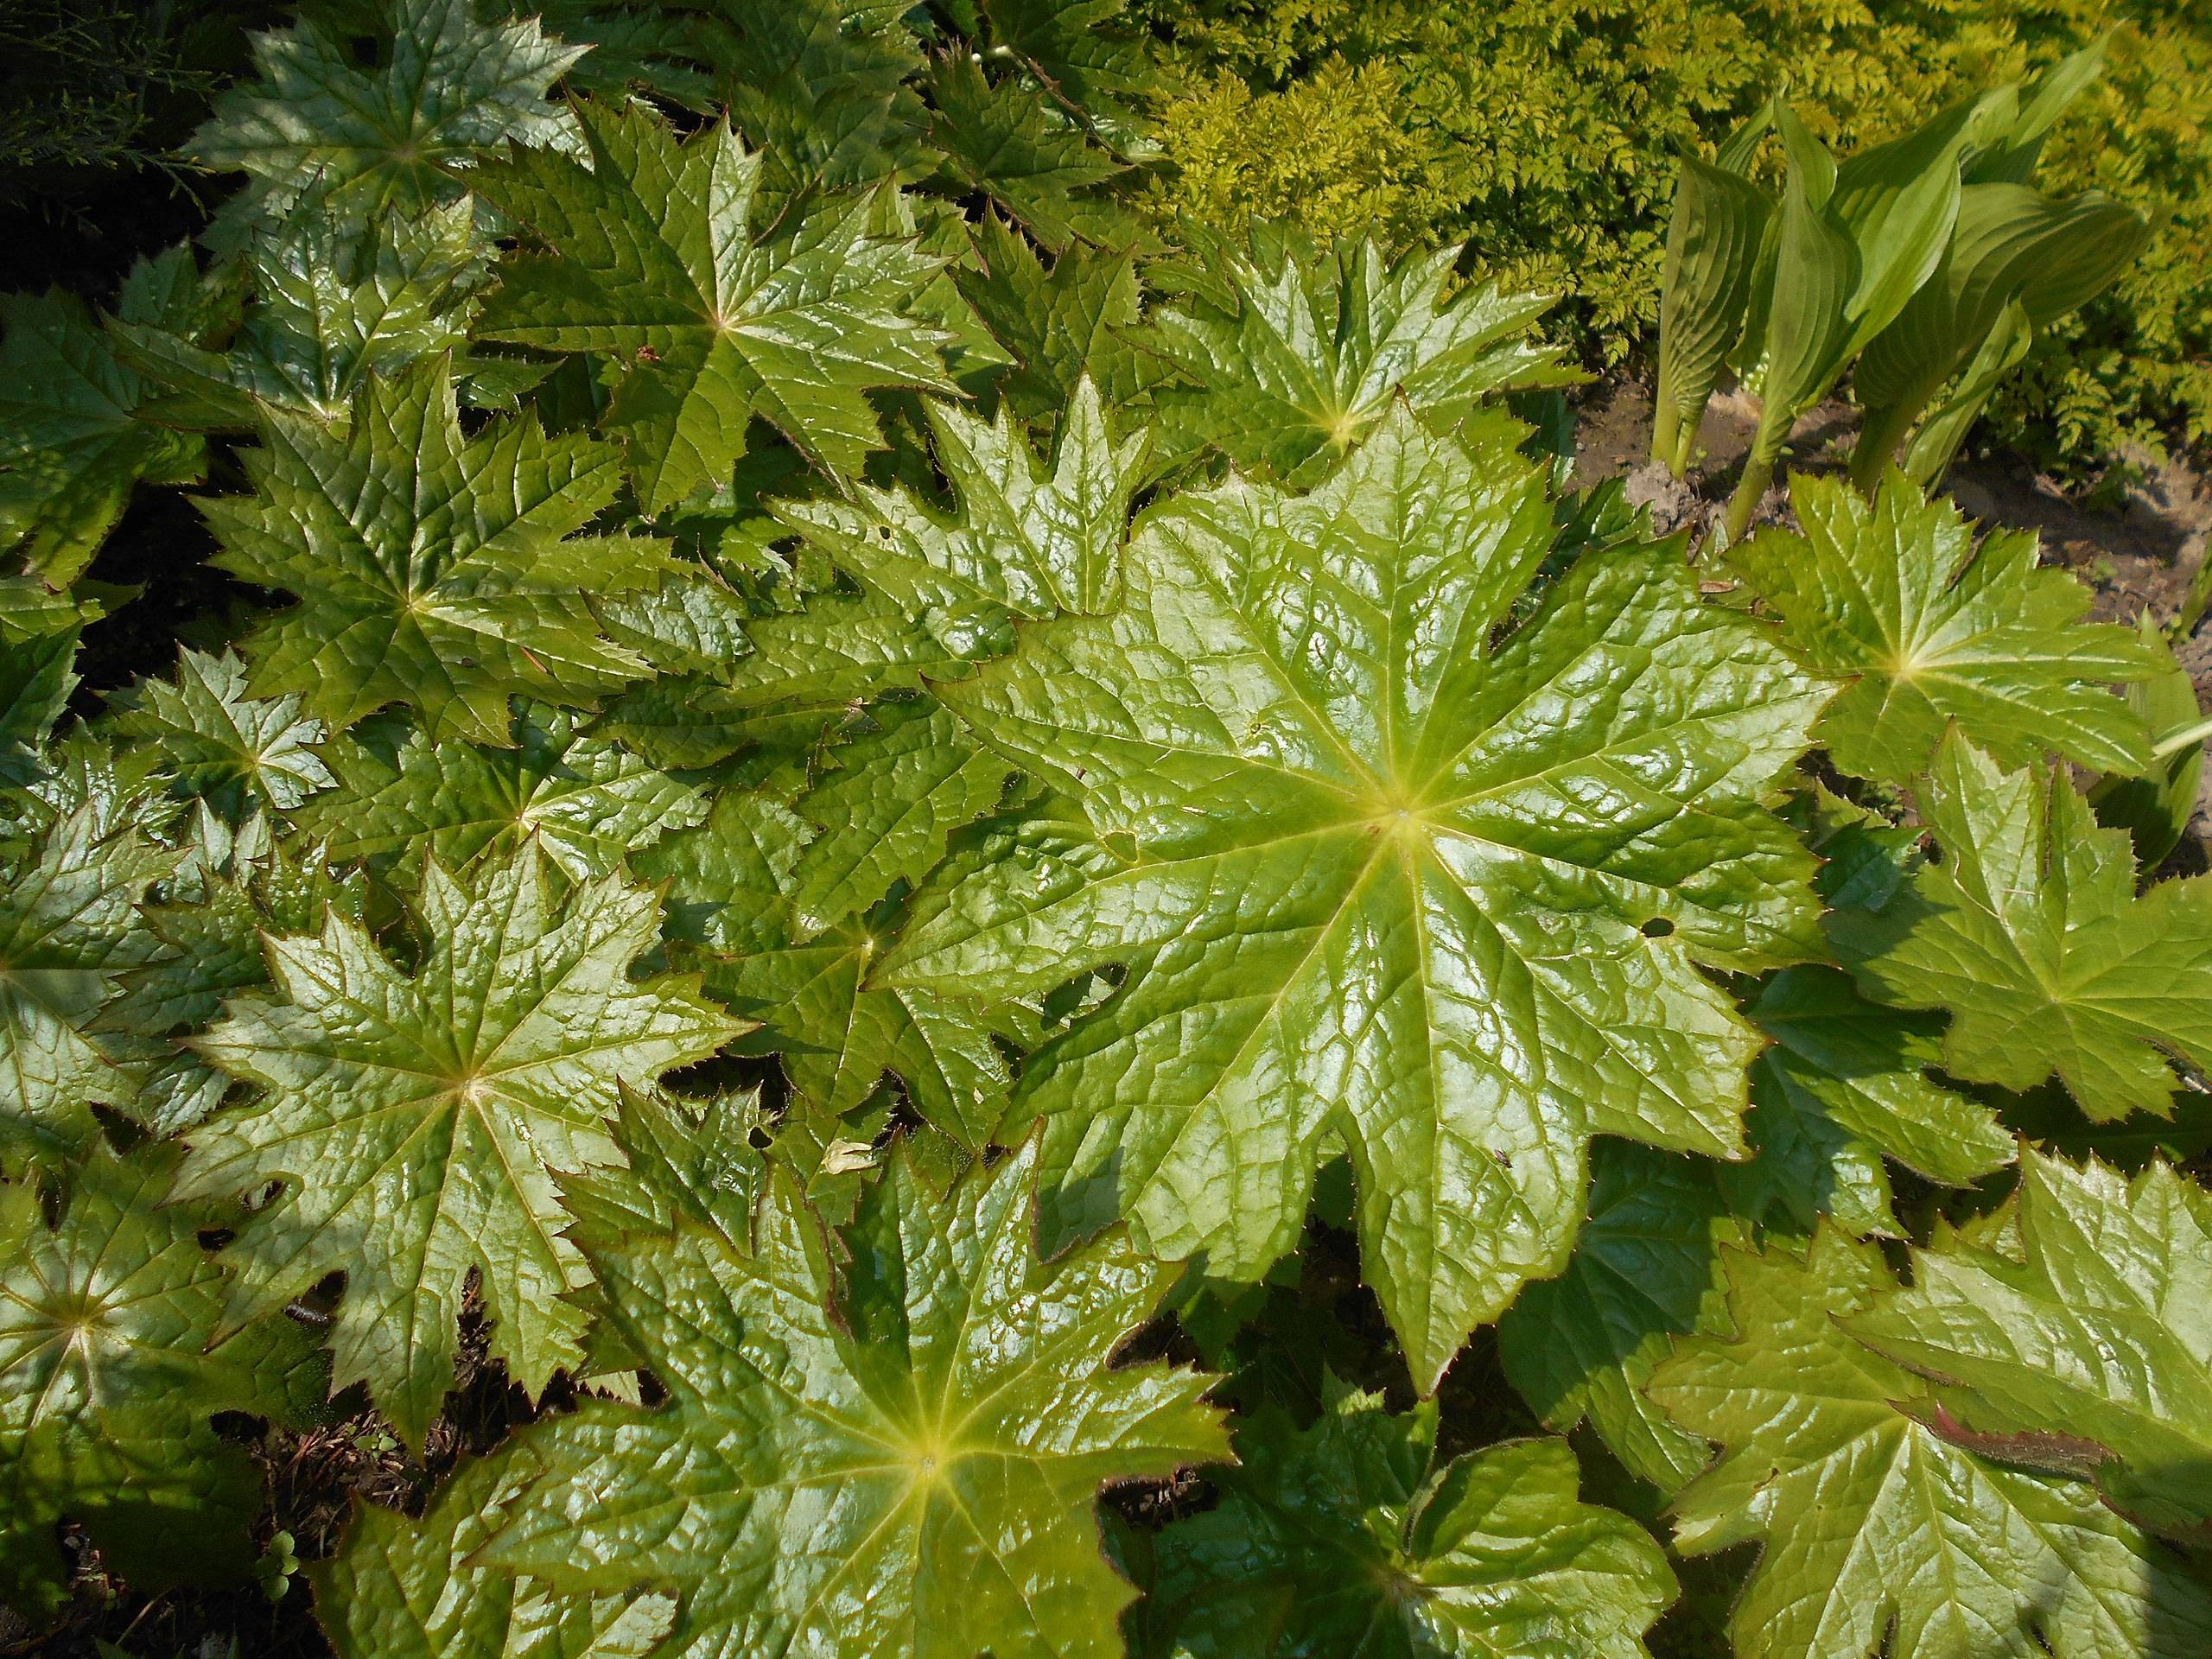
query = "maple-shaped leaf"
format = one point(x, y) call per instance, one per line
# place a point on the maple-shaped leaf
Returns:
point(1026, 539)
point(1844, 1086)
point(1354, 1540)
point(415, 1120)
point(2086, 1347)
point(821, 84)
point(1930, 628)
point(431, 571)
point(1076, 319)
point(1375, 875)
point(39, 630)
point(1101, 72)
point(1874, 1524)
point(584, 801)
point(241, 754)
point(1293, 356)
point(657, 253)
point(72, 443)
point(733, 893)
point(2029, 932)
point(335, 301)
point(402, 1588)
point(1646, 1266)
point(109, 1375)
point(1007, 143)
point(903, 1462)
point(69, 905)
point(388, 137)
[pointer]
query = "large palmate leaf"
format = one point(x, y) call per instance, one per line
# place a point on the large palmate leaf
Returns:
point(585, 803)
point(821, 85)
point(239, 753)
point(903, 1464)
point(1646, 1266)
point(658, 255)
point(1376, 877)
point(1007, 143)
point(2087, 1350)
point(68, 926)
point(400, 1588)
point(1078, 318)
point(108, 1379)
point(2030, 934)
point(1294, 357)
point(39, 630)
point(431, 571)
point(417, 1120)
point(72, 446)
point(1353, 1540)
point(1894, 596)
point(444, 91)
point(1867, 1517)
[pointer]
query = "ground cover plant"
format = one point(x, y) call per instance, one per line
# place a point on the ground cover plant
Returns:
point(878, 911)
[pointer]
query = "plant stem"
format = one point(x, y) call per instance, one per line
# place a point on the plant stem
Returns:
point(1758, 473)
point(1878, 439)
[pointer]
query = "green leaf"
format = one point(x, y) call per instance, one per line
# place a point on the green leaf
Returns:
point(445, 93)
point(1646, 1266)
point(240, 753)
point(39, 630)
point(2155, 808)
point(72, 444)
point(821, 85)
point(431, 571)
point(1026, 540)
point(1077, 319)
point(1006, 142)
point(2030, 934)
point(586, 803)
point(1931, 629)
point(657, 255)
point(68, 925)
point(416, 1121)
point(1714, 237)
point(1352, 1540)
point(1294, 357)
point(1073, 47)
point(904, 1463)
point(1816, 269)
point(1845, 1085)
point(1866, 1517)
point(109, 1371)
point(400, 1588)
point(2087, 1351)
point(1374, 876)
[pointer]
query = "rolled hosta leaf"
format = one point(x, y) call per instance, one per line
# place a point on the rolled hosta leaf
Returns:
point(1714, 237)
point(444, 92)
point(1872, 1523)
point(1933, 630)
point(2029, 933)
point(416, 1121)
point(904, 1461)
point(2085, 1349)
point(430, 570)
point(110, 1372)
point(1376, 877)
point(1293, 356)
point(1352, 1540)
point(659, 254)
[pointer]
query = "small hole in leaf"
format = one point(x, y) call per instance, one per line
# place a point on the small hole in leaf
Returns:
point(1658, 928)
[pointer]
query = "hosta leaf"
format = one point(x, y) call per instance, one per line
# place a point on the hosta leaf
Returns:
point(108, 1374)
point(400, 1588)
point(239, 753)
point(444, 92)
point(1376, 877)
point(2030, 934)
point(1294, 357)
point(1868, 1518)
point(1007, 143)
point(586, 803)
point(1646, 1266)
point(1076, 319)
point(1352, 1540)
point(1894, 596)
point(416, 1121)
point(658, 255)
point(431, 571)
point(68, 925)
point(71, 445)
point(1844, 1085)
point(1027, 540)
point(904, 1463)
point(2087, 1350)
